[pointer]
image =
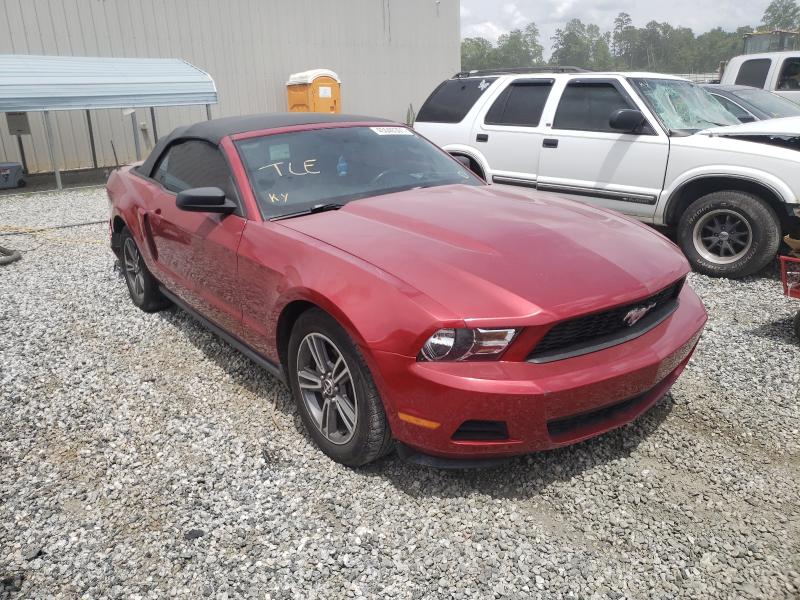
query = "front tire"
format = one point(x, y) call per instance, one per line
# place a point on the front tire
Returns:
point(142, 286)
point(729, 234)
point(335, 393)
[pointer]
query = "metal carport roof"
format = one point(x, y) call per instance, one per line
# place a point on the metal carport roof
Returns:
point(47, 83)
point(33, 83)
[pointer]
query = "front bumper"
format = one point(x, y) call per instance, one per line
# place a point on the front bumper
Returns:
point(543, 406)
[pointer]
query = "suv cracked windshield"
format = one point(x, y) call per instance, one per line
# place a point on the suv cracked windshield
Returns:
point(309, 171)
point(681, 106)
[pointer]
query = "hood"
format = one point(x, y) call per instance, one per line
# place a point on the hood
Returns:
point(490, 255)
point(786, 126)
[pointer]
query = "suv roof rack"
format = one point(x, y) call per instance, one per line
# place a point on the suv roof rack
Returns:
point(520, 70)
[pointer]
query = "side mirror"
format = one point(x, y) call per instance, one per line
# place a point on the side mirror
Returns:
point(206, 199)
point(627, 120)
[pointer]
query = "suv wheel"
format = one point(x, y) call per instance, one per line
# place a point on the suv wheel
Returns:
point(335, 393)
point(729, 234)
point(471, 164)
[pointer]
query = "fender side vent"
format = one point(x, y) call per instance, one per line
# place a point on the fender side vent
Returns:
point(481, 431)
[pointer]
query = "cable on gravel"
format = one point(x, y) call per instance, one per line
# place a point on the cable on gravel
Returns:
point(8, 256)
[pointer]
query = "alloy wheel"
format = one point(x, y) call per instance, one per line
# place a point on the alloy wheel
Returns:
point(326, 386)
point(134, 273)
point(722, 236)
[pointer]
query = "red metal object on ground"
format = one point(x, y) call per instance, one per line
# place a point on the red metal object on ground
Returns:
point(790, 277)
point(603, 323)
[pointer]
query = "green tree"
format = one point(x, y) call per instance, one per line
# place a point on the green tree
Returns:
point(624, 40)
point(571, 45)
point(531, 33)
point(781, 14)
point(476, 53)
point(600, 58)
point(651, 46)
point(716, 46)
point(519, 48)
point(679, 50)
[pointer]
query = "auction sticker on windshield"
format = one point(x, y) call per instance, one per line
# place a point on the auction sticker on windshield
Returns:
point(391, 130)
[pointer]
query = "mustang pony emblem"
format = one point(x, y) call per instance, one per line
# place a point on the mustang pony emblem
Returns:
point(635, 315)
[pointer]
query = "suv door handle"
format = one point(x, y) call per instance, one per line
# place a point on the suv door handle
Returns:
point(550, 143)
point(482, 137)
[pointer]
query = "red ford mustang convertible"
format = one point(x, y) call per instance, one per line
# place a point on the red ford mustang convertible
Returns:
point(404, 301)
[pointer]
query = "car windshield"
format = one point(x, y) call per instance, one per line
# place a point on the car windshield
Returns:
point(772, 104)
point(683, 106)
point(295, 173)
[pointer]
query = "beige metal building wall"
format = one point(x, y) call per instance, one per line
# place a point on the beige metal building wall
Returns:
point(388, 53)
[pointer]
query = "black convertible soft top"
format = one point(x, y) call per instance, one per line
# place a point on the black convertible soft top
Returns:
point(216, 129)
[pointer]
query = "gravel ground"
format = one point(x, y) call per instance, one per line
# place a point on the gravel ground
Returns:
point(143, 458)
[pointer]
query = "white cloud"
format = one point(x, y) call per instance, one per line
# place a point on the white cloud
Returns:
point(514, 16)
point(487, 29)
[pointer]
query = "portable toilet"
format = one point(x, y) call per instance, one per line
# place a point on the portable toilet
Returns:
point(317, 90)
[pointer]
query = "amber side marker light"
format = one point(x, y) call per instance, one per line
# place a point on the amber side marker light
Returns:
point(418, 421)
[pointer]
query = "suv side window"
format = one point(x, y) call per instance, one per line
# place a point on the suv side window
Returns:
point(521, 103)
point(753, 72)
point(193, 164)
point(452, 100)
point(587, 106)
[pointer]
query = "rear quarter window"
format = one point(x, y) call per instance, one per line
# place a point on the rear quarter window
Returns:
point(753, 72)
point(452, 100)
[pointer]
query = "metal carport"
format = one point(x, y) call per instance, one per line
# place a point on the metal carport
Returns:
point(47, 83)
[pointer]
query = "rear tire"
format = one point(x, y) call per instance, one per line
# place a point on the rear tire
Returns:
point(797, 324)
point(338, 401)
point(729, 234)
point(142, 286)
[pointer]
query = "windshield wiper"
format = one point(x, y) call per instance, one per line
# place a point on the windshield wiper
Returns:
point(310, 211)
point(324, 207)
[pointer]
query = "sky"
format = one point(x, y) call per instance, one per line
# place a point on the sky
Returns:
point(491, 18)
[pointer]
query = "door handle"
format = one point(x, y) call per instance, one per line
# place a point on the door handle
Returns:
point(550, 143)
point(482, 137)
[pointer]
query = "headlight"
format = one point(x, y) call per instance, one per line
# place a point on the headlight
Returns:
point(466, 344)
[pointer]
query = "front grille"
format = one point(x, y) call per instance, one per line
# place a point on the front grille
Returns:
point(604, 329)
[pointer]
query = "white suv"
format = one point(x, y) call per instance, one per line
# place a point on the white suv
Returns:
point(655, 147)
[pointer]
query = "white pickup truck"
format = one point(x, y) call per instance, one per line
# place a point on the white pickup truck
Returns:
point(777, 72)
point(655, 147)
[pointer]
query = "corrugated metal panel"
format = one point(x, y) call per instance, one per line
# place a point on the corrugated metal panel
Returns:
point(388, 53)
point(30, 83)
